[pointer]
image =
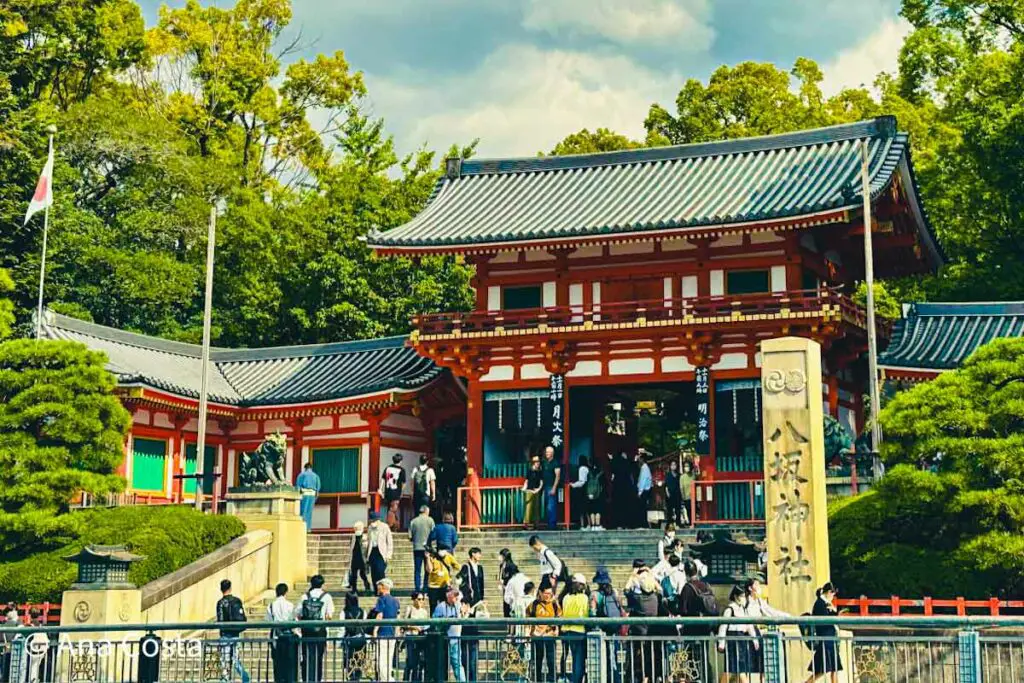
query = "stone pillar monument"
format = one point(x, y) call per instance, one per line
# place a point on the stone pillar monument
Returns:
point(796, 521)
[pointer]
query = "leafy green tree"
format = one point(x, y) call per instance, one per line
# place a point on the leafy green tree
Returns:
point(886, 305)
point(947, 519)
point(6, 305)
point(61, 431)
point(586, 142)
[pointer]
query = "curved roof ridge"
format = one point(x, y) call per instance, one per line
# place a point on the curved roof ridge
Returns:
point(969, 308)
point(217, 354)
point(882, 126)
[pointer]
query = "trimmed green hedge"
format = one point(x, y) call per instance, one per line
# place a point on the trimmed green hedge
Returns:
point(169, 537)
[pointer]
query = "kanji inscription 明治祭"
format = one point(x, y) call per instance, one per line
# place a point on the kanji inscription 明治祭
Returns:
point(794, 472)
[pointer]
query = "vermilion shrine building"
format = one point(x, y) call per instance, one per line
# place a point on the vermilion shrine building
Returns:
point(616, 279)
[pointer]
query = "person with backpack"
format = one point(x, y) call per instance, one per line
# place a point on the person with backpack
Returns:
point(543, 635)
point(419, 534)
point(644, 602)
point(442, 567)
point(284, 643)
point(823, 639)
point(672, 582)
point(316, 604)
point(353, 637)
point(552, 570)
point(605, 603)
point(697, 600)
point(392, 484)
point(577, 492)
point(732, 640)
point(424, 484)
point(229, 610)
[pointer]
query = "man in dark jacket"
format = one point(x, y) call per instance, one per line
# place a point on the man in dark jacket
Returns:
point(229, 610)
point(697, 600)
point(471, 578)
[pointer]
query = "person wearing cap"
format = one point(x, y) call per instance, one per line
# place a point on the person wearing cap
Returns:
point(451, 609)
point(576, 605)
point(357, 561)
point(380, 547)
point(386, 608)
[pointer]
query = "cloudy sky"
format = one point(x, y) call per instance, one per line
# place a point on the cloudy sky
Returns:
point(522, 74)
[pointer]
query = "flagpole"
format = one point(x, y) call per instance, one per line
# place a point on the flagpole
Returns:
point(869, 281)
point(207, 306)
point(42, 262)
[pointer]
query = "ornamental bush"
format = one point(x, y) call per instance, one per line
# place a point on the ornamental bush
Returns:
point(948, 518)
point(169, 537)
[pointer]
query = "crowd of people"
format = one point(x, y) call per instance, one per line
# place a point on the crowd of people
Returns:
point(621, 498)
point(449, 588)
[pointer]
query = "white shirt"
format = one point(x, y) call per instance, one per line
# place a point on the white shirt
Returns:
point(430, 473)
point(678, 579)
point(317, 593)
point(581, 477)
point(758, 607)
point(549, 563)
point(514, 589)
point(661, 570)
point(281, 610)
point(663, 546)
point(735, 610)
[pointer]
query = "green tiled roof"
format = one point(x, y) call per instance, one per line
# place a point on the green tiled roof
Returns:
point(941, 336)
point(494, 201)
point(254, 377)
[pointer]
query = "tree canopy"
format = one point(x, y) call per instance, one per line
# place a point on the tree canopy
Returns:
point(62, 431)
point(209, 106)
point(954, 499)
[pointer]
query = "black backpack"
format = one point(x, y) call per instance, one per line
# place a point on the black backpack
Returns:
point(708, 603)
point(312, 609)
point(420, 485)
point(564, 575)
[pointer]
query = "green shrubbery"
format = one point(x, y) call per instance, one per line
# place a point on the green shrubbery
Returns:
point(169, 537)
point(948, 519)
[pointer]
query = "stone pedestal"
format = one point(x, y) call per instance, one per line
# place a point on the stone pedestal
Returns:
point(97, 655)
point(276, 511)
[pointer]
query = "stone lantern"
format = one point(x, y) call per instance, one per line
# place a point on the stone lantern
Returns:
point(103, 567)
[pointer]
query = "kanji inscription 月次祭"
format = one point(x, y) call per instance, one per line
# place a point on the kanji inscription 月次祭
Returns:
point(794, 472)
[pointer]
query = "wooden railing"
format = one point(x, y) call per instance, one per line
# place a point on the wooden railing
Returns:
point(798, 301)
point(896, 606)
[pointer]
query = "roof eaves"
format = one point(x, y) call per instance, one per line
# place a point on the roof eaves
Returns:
point(883, 126)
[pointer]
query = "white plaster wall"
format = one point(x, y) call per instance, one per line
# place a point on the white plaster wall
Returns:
point(161, 419)
point(498, 373)
point(764, 237)
point(590, 251)
point(689, 283)
point(631, 366)
point(271, 426)
point(494, 298)
point(141, 416)
point(538, 255)
point(249, 427)
point(533, 371)
point(351, 420)
point(678, 244)
point(717, 282)
point(675, 364)
point(731, 240)
point(550, 298)
point(778, 278)
point(586, 368)
point(321, 422)
point(403, 421)
point(731, 361)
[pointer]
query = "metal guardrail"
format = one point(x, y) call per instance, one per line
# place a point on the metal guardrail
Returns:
point(925, 650)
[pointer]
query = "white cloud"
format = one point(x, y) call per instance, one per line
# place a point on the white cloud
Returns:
point(683, 23)
point(859, 65)
point(522, 100)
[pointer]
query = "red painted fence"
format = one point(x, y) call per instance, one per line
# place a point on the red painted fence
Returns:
point(50, 612)
point(896, 606)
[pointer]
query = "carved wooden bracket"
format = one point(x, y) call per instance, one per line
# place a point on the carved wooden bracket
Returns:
point(701, 348)
point(559, 356)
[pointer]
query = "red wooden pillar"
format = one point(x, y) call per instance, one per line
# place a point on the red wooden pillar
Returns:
point(297, 425)
point(373, 420)
point(475, 426)
point(833, 396)
point(178, 459)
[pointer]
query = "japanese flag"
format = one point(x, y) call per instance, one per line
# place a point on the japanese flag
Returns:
point(43, 197)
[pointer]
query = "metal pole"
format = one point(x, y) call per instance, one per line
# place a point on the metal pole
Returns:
point(42, 262)
point(211, 240)
point(869, 280)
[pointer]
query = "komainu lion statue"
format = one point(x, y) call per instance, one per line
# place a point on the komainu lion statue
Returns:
point(264, 467)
